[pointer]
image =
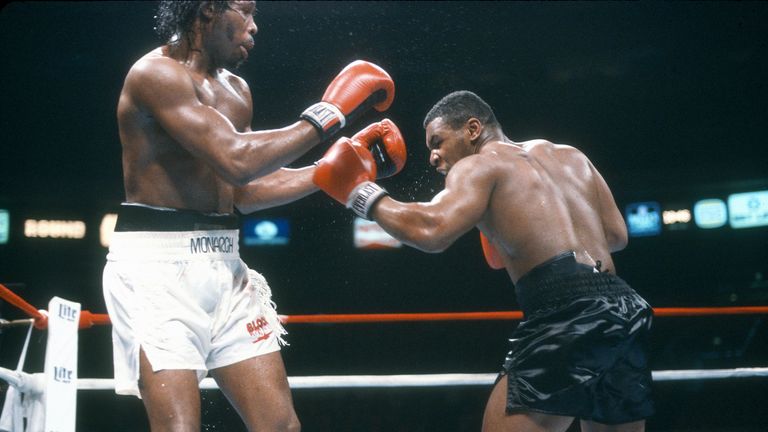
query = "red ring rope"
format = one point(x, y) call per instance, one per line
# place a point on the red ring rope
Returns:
point(41, 321)
point(395, 317)
point(510, 315)
point(89, 319)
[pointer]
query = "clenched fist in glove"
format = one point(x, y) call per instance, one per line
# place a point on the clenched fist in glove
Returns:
point(386, 144)
point(358, 87)
point(348, 169)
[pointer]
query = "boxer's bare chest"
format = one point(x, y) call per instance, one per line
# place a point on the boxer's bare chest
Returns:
point(220, 94)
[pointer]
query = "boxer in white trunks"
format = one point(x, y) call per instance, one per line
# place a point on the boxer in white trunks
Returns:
point(182, 302)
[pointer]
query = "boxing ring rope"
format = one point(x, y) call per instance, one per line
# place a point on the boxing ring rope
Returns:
point(503, 315)
point(443, 380)
point(88, 319)
point(47, 400)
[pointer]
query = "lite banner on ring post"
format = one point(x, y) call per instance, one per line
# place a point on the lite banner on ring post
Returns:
point(61, 366)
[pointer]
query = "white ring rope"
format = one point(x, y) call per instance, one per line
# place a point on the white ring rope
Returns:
point(424, 380)
point(441, 380)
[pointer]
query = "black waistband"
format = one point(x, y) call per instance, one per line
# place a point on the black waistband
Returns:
point(141, 218)
point(562, 278)
point(560, 264)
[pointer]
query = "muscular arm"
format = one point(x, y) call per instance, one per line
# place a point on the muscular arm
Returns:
point(164, 89)
point(435, 225)
point(281, 187)
point(613, 223)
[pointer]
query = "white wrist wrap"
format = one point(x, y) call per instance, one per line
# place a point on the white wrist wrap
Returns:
point(363, 197)
point(326, 117)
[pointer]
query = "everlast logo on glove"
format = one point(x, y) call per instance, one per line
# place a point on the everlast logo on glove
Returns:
point(207, 244)
point(364, 197)
point(326, 117)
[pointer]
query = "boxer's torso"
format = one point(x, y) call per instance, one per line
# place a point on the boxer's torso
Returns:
point(544, 203)
point(157, 169)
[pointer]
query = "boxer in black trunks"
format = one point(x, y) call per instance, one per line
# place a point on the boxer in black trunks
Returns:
point(547, 216)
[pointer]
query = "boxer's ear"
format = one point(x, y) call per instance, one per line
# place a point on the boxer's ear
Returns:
point(474, 128)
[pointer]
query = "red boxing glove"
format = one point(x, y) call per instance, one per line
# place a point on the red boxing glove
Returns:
point(358, 87)
point(346, 173)
point(492, 255)
point(386, 143)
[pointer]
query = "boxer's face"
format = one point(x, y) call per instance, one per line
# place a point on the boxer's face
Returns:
point(446, 145)
point(232, 34)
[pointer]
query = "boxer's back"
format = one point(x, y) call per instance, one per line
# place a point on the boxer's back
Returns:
point(549, 199)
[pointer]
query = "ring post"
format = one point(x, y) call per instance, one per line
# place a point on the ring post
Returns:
point(61, 365)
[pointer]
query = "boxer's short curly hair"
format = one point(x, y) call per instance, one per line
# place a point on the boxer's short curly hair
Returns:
point(458, 107)
point(174, 18)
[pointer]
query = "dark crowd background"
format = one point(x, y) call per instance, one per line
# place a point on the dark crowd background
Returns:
point(668, 99)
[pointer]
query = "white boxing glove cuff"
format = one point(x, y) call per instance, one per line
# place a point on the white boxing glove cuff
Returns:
point(326, 117)
point(363, 197)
